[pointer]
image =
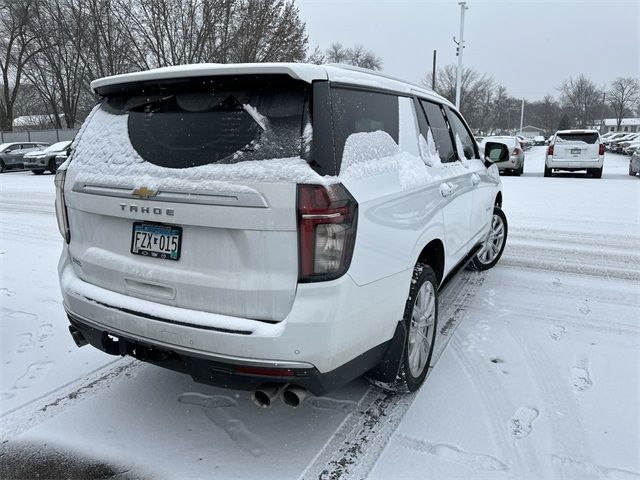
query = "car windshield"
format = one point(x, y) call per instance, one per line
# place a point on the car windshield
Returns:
point(57, 147)
point(577, 137)
point(508, 141)
point(214, 121)
point(4, 146)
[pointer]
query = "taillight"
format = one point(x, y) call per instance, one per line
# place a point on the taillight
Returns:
point(61, 208)
point(550, 150)
point(601, 149)
point(326, 231)
point(516, 151)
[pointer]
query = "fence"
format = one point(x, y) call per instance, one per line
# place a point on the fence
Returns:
point(48, 136)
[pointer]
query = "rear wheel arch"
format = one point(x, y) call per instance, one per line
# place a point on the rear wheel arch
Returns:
point(498, 202)
point(433, 255)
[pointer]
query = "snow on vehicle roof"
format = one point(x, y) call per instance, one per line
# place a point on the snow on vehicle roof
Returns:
point(575, 131)
point(300, 71)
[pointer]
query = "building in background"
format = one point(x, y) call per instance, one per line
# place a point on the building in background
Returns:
point(627, 125)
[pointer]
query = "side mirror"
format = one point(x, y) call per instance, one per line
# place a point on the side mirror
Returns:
point(495, 152)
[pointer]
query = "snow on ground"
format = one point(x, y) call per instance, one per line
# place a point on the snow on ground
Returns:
point(536, 374)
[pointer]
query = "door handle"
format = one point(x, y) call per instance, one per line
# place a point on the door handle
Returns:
point(475, 179)
point(447, 189)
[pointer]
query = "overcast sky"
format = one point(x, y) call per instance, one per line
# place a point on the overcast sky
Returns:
point(529, 46)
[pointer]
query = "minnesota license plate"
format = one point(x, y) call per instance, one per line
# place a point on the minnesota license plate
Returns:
point(157, 241)
point(575, 151)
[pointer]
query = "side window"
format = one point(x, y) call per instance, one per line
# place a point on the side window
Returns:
point(357, 111)
point(460, 129)
point(439, 130)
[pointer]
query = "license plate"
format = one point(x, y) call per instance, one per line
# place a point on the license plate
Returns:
point(575, 151)
point(157, 241)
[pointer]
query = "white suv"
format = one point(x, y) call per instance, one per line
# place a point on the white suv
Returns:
point(261, 225)
point(573, 150)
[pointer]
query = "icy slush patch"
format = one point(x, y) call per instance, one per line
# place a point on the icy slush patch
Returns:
point(520, 425)
point(475, 461)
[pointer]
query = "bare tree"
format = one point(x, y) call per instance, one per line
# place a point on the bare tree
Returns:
point(17, 46)
point(623, 96)
point(316, 57)
point(475, 92)
point(583, 97)
point(544, 113)
point(357, 56)
point(336, 53)
point(58, 70)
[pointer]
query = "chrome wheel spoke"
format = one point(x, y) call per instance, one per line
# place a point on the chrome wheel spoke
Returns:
point(422, 321)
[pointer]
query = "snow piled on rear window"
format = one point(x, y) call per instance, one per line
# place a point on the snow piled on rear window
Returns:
point(104, 156)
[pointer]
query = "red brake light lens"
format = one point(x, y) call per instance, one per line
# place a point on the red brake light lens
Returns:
point(601, 149)
point(516, 151)
point(550, 150)
point(327, 219)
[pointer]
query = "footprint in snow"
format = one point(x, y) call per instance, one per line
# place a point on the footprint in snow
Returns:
point(5, 292)
point(44, 332)
point(556, 282)
point(234, 428)
point(580, 378)
point(25, 342)
point(18, 314)
point(556, 332)
point(585, 310)
point(35, 372)
point(475, 461)
point(520, 425)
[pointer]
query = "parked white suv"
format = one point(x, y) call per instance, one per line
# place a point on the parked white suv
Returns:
point(574, 150)
point(262, 225)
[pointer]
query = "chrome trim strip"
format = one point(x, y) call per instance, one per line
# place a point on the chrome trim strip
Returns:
point(311, 216)
point(216, 357)
point(201, 197)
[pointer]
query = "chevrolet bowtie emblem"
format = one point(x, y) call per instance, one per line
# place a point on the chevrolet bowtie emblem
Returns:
point(144, 192)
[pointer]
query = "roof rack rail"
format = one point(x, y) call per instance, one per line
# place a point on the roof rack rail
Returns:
point(368, 71)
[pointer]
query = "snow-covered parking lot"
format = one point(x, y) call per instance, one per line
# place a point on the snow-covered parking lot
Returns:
point(536, 373)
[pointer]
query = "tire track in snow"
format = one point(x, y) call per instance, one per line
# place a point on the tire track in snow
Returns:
point(24, 417)
point(358, 442)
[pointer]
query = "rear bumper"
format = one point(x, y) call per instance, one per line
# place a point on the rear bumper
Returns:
point(569, 164)
point(225, 371)
point(331, 324)
point(512, 164)
point(35, 164)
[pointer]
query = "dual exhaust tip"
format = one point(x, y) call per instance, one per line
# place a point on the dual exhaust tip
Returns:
point(268, 393)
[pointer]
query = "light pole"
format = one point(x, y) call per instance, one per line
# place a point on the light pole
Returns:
point(463, 7)
point(521, 116)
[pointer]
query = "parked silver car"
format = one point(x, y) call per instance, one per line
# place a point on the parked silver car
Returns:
point(515, 164)
point(11, 154)
point(40, 160)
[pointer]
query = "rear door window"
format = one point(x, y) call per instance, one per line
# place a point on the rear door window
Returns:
point(359, 111)
point(184, 124)
point(440, 131)
point(460, 130)
point(588, 138)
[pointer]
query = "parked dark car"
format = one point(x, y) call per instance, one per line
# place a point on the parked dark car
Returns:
point(11, 154)
point(40, 160)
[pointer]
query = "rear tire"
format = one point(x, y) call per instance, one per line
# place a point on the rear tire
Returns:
point(547, 172)
point(421, 321)
point(520, 171)
point(631, 172)
point(493, 246)
point(52, 166)
point(597, 172)
point(37, 172)
point(2, 166)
